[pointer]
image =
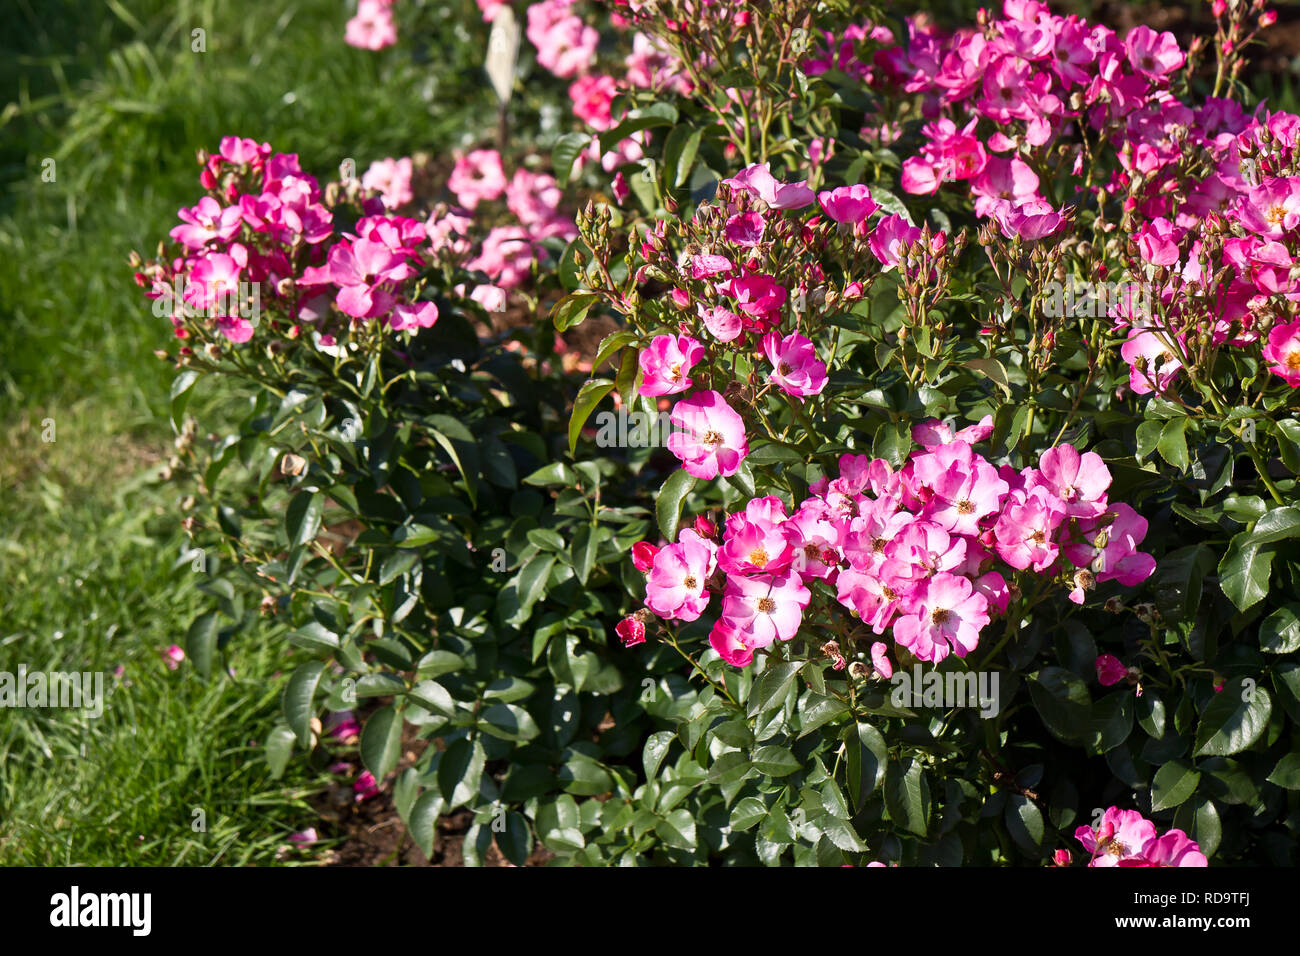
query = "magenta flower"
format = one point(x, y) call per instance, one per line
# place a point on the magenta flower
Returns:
point(754, 542)
point(214, 281)
point(890, 240)
point(704, 265)
point(1153, 54)
point(1109, 549)
point(880, 661)
point(1158, 242)
point(1152, 366)
point(674, 588)
point(1003, 180)
point(947, 617)
point(305, 838)
point(665, 363)
point(592, 97)
point(1271, 208)
point(1283, 352)
point(235, 328)
point(565, 45)
point(759, 181)
point(1122, 835)
point(506, 255)
point(757, 295)
point(795, 367)
point(1025, 531)
point(726, 640)
point(391, 178)
point(631, 631)
point(1173, 848)
point(643, 555)
point(1034, 219)
point(372, 28)
point(1080, 481)
point(1109, 670)
point(205, 222)
point(850, 204)
point(764, 607)
point(963, 495)
point(418, 315)
point(359, 270)
point(745, 229)
point(711, 440)
point(366, 787)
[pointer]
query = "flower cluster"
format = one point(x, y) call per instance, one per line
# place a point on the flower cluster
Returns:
point(761, 259)
point(265, 234)
point(925, 551)
point(1126, 838)
point(1019, 114)
point(533, 199)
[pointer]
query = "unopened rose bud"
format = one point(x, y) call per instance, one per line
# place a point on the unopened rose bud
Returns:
point(1061, 857)
point(631, 631)
point(643, 556)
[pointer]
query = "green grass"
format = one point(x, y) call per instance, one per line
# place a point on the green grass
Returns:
point(115, 96)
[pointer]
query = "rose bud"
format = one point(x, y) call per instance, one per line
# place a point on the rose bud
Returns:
point(704, 527)
point(630, 631)
point(643, 556)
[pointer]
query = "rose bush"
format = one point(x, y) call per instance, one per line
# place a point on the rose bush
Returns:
point(809, 338)
point(938, 481)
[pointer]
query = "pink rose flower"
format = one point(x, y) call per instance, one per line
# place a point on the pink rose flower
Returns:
point(890, 239)
point(795, 367)
point(947, 617)
point(666, 362)
point(849, 204)
point(711, 441)
point(1283, 352)
point(477, 176)
point(763, 608)
point(759, 181)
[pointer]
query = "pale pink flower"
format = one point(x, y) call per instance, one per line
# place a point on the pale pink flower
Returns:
point(795, 366)
point(947, 616)
point(711, 441)
point(763, 608)
point(392, 179)
point(372, 28)
point(476, 177)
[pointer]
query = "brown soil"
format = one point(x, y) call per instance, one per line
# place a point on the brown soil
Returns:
point(373, 834)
